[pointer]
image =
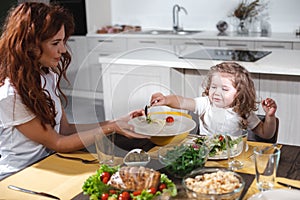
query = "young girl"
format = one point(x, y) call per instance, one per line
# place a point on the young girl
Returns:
point(227, 103)
point(34, 58)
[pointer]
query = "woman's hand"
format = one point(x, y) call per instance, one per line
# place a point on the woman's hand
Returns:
point(269, 106)
point(132, 114)
point(158, 99)
point(122, 127)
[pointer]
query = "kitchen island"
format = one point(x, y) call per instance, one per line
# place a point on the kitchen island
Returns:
point(129, 79)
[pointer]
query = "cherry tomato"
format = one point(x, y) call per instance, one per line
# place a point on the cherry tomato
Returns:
point(221, 138)
point(169, 120)
point(112, 192)
point(105, 180)
point(104, 196)
point(136, 193)
point(152, 190)
point(124, 196)
point(105, 174)
point(162, 186)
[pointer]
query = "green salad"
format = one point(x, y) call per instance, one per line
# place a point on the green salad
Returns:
point(181, 160)
point(97, 188)
point(217, 143)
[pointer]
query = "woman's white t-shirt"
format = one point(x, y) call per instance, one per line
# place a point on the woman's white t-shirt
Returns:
point(16, 150)
point(213, 120)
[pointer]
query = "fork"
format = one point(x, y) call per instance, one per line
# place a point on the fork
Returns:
point(85, 161)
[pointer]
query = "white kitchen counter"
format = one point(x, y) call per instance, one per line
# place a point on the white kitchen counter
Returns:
point(279, 37)
point(280, 62)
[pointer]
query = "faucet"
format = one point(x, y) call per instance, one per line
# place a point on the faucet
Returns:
point(176, 10)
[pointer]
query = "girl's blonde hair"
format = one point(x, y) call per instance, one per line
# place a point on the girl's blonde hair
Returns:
point(25, 28)
point(245, 99)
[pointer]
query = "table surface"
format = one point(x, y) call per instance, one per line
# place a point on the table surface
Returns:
point(64, 178)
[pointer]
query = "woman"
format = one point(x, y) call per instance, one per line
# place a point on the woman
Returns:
point(34, 59)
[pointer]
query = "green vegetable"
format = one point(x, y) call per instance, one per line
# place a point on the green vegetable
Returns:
point(182, 159)
point(171, 187)
point(94, 187)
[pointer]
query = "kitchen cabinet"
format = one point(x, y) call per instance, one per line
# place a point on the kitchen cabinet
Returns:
point(237, 44)
point(106, 44)
point(296, 45)
point(136, 43)
point(285, 90)
point(195, 42)
point(98, 47)
point(273, 45)
point(129, 87)
point(77, 72)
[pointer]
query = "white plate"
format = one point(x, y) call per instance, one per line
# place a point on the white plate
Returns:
point(237, 150)
point(181, 125)
point(278, 194)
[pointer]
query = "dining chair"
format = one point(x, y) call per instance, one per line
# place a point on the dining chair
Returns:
point(254, 137)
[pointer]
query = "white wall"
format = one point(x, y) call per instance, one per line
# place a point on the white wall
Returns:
point(202, 14)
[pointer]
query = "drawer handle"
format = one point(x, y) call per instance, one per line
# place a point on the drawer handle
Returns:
point(236, 45)
point(194, 43)
point(273, 46)
point(71, 40)
point(148, 42)
point(110, 41)
point(104, 54)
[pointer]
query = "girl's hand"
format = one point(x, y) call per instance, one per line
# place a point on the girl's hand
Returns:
point(158, 99)
point(269, 106)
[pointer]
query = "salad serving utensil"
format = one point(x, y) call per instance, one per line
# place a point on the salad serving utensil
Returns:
point(146, 110)
point(85, 161)
point(32, 192)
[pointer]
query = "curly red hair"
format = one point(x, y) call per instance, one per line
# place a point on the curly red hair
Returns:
point(25, 28)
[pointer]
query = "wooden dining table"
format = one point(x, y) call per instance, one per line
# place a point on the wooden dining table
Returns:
point(64, 178)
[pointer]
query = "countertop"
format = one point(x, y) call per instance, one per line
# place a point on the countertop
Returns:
point(209, 35)
point(280, 62)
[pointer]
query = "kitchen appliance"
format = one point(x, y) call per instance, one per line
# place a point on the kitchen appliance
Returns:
point(226, 55)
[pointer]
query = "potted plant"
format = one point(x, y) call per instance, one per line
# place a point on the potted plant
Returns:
point(247, 11)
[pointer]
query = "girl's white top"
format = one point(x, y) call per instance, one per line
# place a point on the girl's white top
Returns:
point(213, 120)
point(16, 150)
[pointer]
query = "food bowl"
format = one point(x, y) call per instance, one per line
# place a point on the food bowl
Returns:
point(213, 183)
point(181, 159)
point(136, 157)
point(164, 140)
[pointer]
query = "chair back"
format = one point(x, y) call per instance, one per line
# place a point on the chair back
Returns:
point(254, 137)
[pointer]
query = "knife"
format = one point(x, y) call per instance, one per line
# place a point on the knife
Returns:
point(288, 185)
point(32, 192)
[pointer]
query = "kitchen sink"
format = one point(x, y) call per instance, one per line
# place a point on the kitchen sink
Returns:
point(168, 32)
